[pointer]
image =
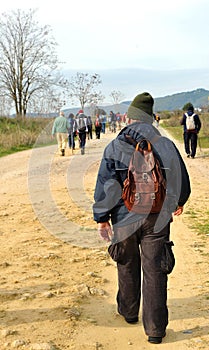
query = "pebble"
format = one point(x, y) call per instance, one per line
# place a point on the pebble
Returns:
point(187, 331)
point(43, 346)
point(6, 332)
point(17, 343)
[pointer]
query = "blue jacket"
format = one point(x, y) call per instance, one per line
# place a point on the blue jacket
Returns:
point(113, 171)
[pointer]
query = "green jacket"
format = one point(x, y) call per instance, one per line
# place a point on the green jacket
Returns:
point(60, 125)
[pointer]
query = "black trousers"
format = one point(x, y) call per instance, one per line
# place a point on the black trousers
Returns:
point(97, 131)
point(190, 143)
point(82, 139)
point(139, 258)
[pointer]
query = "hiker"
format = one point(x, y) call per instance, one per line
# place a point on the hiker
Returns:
point(126, 230)
point(156, 118)
point(60, 128)
point(71, 130)
point(104, 121)
point(82, 129)
point(192, 125)
point(113, 121)
point(98, 126)
point(89, 124)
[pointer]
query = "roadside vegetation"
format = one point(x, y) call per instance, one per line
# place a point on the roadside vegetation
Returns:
point(18, 135)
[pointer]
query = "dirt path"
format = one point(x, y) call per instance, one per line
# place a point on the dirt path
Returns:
point(57, 283)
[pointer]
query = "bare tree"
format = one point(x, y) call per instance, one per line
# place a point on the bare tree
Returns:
point(50, 102)
point(28, 58)
point(117, 96)
point(82, 88)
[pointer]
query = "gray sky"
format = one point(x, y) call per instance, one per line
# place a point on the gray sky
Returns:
point(154, 35)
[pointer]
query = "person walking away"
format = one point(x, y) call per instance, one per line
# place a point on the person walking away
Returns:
point(89, 124)
point(156, 118)
point(82, 129)
point(104, 120)
point(98, 126)
point(113, 121)
point(137, 238)
point(191, 125)
point(71, 131)
point(60, 129)
point(118, 118)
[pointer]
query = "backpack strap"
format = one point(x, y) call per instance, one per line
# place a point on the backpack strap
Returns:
point(186, 114)
point(144, 144)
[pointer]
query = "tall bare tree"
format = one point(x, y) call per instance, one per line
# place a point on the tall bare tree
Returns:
point(27, 58)
point(82, 87)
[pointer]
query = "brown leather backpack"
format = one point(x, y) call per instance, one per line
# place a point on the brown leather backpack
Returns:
point(145, 186)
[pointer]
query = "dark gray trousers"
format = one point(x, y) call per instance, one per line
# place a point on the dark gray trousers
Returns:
point(141, 254)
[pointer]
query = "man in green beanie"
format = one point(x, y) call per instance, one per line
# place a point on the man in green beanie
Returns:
point(137, 240)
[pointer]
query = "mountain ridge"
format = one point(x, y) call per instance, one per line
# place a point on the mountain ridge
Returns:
point(199, 98)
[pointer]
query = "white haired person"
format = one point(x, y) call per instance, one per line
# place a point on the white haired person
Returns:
point(60, 129)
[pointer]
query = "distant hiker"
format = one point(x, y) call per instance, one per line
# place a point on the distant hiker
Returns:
point(98, 126)
point(156, 118)
point(82, 129)
point(89, 124)
point(71, 130)
point(192, 125)
point(137, 240)
point(118, 119)
point(104, 120)
point(60, 128)
point(113, 121)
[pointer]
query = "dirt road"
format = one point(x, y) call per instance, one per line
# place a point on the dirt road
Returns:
point(57, 283)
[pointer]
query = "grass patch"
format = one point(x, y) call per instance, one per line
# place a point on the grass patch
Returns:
point(198, 221)
point(18, 135)
point(192, 214)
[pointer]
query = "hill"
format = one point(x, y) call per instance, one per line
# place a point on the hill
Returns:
point(199, 98)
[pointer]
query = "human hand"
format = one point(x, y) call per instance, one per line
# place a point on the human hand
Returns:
point(105, 231)
point(178, 211)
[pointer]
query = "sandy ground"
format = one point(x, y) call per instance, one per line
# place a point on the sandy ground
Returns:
point(57, 282)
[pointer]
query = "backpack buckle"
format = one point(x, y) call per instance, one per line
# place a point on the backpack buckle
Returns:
point(145, 177)
point(138, 196)
point(152, 196)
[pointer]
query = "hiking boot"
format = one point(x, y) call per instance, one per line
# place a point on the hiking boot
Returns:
point(156, 340)
point(82, 151)
point(131, 320)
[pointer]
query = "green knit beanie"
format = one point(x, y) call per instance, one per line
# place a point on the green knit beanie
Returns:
point(141, 105)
